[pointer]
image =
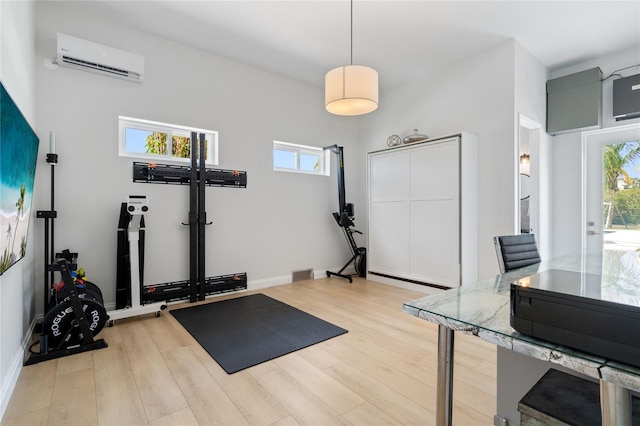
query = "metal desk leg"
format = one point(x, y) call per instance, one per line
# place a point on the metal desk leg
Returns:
point(444, 401)
point(615, 404)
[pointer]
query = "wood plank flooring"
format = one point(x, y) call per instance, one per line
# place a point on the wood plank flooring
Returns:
point(382, 372)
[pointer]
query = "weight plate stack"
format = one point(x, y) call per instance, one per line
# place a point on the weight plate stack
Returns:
point(60, 323)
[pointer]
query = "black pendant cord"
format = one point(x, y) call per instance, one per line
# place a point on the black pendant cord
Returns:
point(351, 59)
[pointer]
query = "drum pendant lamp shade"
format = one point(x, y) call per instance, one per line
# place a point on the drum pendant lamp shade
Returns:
point(351, 90)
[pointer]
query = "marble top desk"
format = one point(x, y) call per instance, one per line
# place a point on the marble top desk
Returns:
point(482, 309)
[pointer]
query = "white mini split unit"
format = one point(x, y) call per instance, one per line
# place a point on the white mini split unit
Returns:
point(85, 55)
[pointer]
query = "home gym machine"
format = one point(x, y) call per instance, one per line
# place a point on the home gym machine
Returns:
point(73, 310)
point(197, 177)
point(130, 265)
point(344, 218)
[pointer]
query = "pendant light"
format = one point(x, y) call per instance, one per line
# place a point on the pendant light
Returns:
point(351, 89)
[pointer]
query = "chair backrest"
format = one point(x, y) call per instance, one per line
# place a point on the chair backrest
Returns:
point(516, 251)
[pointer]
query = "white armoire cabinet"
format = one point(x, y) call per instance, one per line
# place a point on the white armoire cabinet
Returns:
point(422, 213)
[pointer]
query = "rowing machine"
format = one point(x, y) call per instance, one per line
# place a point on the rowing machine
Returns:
point(344, 217)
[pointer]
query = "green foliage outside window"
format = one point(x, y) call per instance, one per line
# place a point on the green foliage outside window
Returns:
point(623, 204)
point(627, 203)
point(157, 143)
point(181, 147)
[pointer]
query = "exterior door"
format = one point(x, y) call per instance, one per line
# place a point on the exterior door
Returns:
point(610, 223)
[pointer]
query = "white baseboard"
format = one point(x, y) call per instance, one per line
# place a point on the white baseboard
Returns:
point(318, 275)
point(404, 284)
point(286, 279)
point(15, 367)
point(349, 271)
point(268, 282)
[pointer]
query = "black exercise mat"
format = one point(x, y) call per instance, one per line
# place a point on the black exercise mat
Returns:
point(246, 331)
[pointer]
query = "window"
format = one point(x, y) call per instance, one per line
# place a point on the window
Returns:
point(163, 142)
point(290, 157)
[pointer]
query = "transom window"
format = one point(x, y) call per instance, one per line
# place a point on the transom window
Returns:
point(162, 142)
point(291, 157)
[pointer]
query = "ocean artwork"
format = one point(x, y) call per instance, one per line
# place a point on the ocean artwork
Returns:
point(18, 155)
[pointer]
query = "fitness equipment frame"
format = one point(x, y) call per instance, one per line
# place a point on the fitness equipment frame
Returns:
point(79, 322)
point(136, 206)
point(344, 218)
point(197, 177)
point(61, 262)
point(49, 229)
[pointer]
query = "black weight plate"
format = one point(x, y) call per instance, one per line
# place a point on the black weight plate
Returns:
point(94, 292)
point(59, 323)
point(87, 292)
point(91, 286)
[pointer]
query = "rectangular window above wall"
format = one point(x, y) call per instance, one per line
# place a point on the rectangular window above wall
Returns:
point(291, 157)
point(157, 141)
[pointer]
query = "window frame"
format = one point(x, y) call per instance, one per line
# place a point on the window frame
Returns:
point(298, 149)
point(169, 130)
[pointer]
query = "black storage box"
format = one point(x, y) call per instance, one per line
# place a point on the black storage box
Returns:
point(581, 311)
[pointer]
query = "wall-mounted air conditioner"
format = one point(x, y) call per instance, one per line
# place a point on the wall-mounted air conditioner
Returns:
point(85, 55)
point(626, 98)
point(574, 102)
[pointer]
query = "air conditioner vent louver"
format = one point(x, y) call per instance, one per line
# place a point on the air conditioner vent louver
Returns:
point(93, 57)
point(93, 65)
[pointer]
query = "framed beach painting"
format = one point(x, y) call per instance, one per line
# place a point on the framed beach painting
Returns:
point(18, 155)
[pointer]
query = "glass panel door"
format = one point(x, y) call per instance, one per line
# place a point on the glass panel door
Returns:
point(611, 198)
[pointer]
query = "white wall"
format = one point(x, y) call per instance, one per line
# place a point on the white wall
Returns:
point(281, 222)
point(530, 100)
point(566, 151)
point(17, 285)
point(476, 96)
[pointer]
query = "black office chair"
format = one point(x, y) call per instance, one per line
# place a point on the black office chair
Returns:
point(516, 251)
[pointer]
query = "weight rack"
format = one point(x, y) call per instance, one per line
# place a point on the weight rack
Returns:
point(64, 348)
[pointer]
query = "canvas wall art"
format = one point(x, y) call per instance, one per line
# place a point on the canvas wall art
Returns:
point(18, 155)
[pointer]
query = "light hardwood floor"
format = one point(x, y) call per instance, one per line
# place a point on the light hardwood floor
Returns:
point(383, 371)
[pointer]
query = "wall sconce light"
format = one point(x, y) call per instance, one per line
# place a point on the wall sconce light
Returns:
point(525, 164)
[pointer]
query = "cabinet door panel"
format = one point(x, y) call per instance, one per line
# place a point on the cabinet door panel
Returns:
point(389, 175)
point(434, 172)
point(389, 238)
point(435, 239)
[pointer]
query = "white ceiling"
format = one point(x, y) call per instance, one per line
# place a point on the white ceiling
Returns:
point(401, 39)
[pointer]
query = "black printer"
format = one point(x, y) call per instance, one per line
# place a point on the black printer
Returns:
point(588, 312)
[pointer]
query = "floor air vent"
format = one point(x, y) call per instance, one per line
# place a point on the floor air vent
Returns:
point(301, 275)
